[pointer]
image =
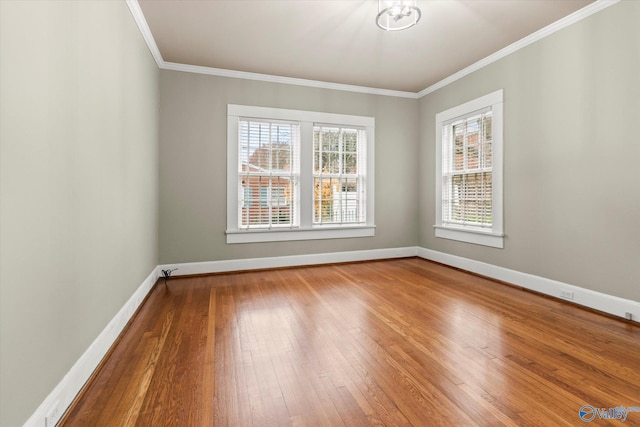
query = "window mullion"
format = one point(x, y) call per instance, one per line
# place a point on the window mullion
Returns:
point(320, 175)
point(270, 180)
point(306, 174)
point(341, 186)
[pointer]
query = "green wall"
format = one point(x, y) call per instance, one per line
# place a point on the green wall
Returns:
point(110, 167)
point(193, 145)
point(79, 185)
point(571, 154)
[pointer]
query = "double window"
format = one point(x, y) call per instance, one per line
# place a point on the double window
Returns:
point(298, 175)
point(469, 172)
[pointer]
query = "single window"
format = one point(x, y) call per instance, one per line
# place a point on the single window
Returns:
point(469, 172)
point(298, 175)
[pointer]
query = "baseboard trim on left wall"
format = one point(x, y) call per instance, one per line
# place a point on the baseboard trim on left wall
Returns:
point(66, 391)
point(56, 403)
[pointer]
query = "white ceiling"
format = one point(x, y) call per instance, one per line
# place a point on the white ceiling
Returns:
point(337, 41)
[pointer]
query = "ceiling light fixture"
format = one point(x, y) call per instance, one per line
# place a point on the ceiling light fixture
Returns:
point(396, 15)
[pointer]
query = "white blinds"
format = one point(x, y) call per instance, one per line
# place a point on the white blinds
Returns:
point(339, 175)
point(467, 170)
point(269, 170)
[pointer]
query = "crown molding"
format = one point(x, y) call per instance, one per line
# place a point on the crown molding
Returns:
point(568, 20)
point(138, 16)
point(140, 20)
point(220, 72)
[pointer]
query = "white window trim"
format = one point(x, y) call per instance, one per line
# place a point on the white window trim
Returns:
point(306, 230)
point(493, 237)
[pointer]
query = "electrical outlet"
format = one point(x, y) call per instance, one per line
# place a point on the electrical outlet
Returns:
point(52, 416)
point(566, 294)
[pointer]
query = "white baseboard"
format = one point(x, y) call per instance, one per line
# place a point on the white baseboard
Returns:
point(581, 296)
point(287, 261)
point(63, 394)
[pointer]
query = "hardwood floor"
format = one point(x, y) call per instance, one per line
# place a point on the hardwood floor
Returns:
point(398, 342)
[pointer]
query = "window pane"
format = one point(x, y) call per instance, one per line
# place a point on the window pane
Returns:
point(351, 141)
point(333, 165)
point(350, 163)
point(330, 139)
point(488, 137)
point(473, 144)
point(337, 194)
point(268, 200)
point(458, 147)
point(469, 199)
point(323, 194)
point(328, 198)
point(268, 174)
point(264, 196)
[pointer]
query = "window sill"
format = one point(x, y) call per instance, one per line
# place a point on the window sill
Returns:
point(478, 237)
point(283, 235)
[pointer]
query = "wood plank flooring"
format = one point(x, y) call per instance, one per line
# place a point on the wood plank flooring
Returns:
point(397, 342)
